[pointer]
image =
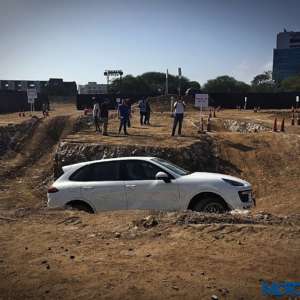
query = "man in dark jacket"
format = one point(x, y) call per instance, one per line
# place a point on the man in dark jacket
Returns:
point(104, 116)
point(123, 116)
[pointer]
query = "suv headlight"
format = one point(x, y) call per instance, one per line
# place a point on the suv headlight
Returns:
point(233, 182)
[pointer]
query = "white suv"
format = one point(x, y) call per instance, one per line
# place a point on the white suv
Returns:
point(146, 183)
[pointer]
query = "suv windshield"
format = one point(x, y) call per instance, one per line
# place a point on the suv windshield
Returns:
point(177, 170)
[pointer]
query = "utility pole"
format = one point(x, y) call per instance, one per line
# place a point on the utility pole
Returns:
point(167, 83)
point(179, 83)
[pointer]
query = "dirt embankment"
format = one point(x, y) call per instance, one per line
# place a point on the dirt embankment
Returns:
point(13, 136)
point(27, 170)
point(199, 155)
point(271, 162)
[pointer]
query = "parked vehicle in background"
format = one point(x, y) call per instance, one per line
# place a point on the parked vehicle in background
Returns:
point(146, 183)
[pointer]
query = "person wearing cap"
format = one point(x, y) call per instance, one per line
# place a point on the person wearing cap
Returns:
point(179, 107)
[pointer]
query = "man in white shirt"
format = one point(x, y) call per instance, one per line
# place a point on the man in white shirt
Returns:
point(179, 107)
point(96, 115)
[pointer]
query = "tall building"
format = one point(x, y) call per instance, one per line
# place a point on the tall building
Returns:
point(92, 88)
point(286, 56)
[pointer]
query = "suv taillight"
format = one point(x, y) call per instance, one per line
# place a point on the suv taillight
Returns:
point(52, 190)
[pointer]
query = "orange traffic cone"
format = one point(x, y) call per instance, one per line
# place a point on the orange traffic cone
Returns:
point(282, 126)
point(275, 125)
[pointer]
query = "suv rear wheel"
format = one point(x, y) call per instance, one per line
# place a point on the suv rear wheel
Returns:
point(79, 205)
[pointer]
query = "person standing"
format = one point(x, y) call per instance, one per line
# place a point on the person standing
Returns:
point(123, 116)
point(104, 117)
point(179, 107)
point(142, 107)
point(96, 116)
point(128, 102)
point(148, 113)
point(44, 108)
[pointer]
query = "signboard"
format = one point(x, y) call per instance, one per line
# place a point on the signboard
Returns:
point(31, 95)
point(201, 100)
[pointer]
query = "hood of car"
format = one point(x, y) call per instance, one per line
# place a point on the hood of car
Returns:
point(206, 176)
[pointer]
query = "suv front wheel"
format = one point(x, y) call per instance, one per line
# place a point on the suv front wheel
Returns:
point(208, 205)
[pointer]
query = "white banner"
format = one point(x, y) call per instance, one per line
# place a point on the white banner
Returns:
point(201, 100)
point(31, 95)
point(31, 100)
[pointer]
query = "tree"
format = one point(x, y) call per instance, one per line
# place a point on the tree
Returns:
point(194, 85)
point(226, 84)
point(262, 78)
point(291, 84)
point(263, 83)
point(129, 85)
point(151, 83)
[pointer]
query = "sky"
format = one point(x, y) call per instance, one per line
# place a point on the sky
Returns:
point(78, 39)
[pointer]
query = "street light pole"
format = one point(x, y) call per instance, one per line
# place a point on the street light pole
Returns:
point(179, 83)
point(167, 83)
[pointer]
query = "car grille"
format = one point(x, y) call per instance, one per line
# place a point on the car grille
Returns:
point(245, 196)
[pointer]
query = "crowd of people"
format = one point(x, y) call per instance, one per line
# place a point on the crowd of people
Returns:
point(101, 113)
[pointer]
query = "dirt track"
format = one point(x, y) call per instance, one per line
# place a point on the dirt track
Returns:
point(74, 255)
point(65, 255)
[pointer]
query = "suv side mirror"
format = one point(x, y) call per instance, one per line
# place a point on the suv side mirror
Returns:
point(163, 176)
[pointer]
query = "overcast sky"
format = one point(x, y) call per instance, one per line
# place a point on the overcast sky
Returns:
point(79, 39)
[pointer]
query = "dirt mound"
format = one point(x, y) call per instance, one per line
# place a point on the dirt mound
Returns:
point(270, 162)
point(25, 173)
point(234, 217)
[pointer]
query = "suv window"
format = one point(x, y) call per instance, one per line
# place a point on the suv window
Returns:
point(140, 170)
point(104, 171)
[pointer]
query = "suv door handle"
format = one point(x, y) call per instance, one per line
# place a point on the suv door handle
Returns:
point(88, 187)
point(130, 186)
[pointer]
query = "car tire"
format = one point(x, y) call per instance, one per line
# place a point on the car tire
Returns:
point(81, 206)
point(210, 205)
